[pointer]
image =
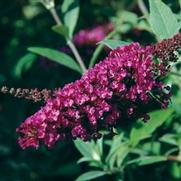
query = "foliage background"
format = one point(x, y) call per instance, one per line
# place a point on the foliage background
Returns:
point(25, 23)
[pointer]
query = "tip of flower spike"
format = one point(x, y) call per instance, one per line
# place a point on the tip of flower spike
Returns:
point(166, 49)
point(4, 89)
point(35, 95)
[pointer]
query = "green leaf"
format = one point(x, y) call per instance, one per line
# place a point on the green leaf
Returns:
point(70, 10)
point(99, 146)
point(144, 25)
point(117, 140)
point(147, 160)
point(119, 150)
point(176, 170)
point(56, 56)
point(85, 159)
point(91, 161)
point(112, 44)
point(163, 22)
point(122, 153)
point(91, 175)
point(84, 148)
point(143, 130)
point(95, 163)
point(169, 138)
point(152, 146)
point(127, 17)
point(24, 64)
point(61, 29)
point(87, 149)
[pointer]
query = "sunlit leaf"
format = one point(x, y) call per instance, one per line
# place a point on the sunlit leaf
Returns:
point(112, 44)
point(163, 22)
point(147, 160)
point(153, 147)
point(143, 25)
point(127, 17)
point(122, 153)
point(117, 140)
point(84, 148)
point(70, 10)
point(85, 159)
point(118, 151)
point(169, 138)
point(91, 175)
point(143, 130)
point(87, 149)
point(99, 146)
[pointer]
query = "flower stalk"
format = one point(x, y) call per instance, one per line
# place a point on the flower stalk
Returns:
point(49, 4)
point(143, 7)
point(55, 16)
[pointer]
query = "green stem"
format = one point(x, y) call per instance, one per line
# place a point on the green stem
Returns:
point(100, 48)
point(142, 7)
point(69, 42)
point(76, 54)
point(55, 16)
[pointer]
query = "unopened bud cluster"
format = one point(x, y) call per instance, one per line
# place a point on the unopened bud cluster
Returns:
point(167, 51)
point(35, 95)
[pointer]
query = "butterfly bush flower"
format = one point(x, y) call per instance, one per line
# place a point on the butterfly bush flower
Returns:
point(119, 88)
point(93, 35)
point(167, 51)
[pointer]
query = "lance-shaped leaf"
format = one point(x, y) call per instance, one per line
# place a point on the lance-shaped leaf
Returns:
point(61, 29)
point(143, 130)
point(88, 149)
point(70, 11)
point(147, 160)
point(56, 56)
point(112, 44)
point(91, 175)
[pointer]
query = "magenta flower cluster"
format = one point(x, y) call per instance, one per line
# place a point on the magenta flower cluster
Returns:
point(119, 88)
point(93, 35)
